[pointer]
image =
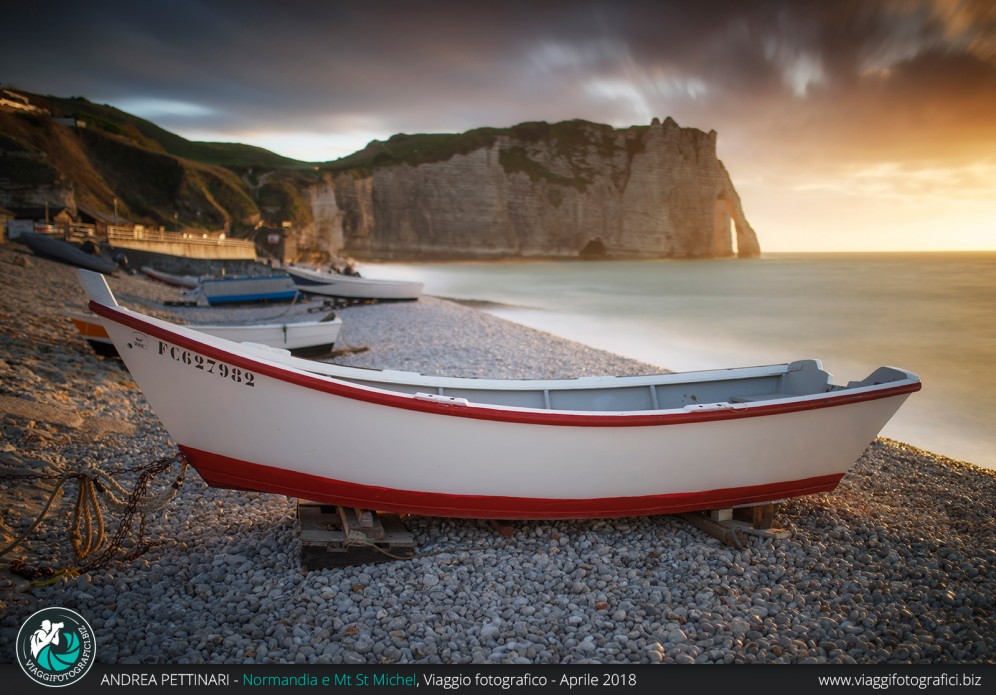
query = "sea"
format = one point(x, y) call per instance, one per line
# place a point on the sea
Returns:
point(931, 313)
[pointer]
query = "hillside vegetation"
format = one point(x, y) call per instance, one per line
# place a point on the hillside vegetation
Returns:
point(157, 177)
point(571, 140)
point(149, 135)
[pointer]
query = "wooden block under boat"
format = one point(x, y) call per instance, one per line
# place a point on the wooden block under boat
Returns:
point(730, 525)
point(334, 536)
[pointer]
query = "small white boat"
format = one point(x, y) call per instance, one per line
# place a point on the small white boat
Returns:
point(232, 290)
point(186, 281)
point(253, 418)
point(352, 286)
point(302, 338)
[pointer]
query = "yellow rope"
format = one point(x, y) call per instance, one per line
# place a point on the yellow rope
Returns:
point(44, 511)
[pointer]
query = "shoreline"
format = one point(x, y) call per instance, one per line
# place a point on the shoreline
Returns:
point(894, 566)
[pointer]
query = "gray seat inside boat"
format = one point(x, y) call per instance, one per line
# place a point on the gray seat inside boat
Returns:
point(803, 378)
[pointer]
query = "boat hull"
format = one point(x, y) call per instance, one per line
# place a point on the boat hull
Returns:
point(272, 288)
point(185, 281)
point(352, 287)
point(224, 472)
point(63, 251)
point(260, 425)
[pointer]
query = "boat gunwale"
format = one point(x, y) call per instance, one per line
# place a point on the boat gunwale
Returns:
point(511, 414)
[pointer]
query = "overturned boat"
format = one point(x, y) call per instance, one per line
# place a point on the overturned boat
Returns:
point(56, 249)
point(185, 281)
point(254, 418)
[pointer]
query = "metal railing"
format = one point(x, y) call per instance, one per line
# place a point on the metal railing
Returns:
point(74, 233)
point(125, 234)
point(78, 233)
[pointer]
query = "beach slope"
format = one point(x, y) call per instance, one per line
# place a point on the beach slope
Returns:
point(895, 565)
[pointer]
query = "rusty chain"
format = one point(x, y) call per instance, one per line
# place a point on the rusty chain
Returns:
point(87, 528)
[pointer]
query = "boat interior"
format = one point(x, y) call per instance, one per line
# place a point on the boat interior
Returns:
point(691, 391)
point(600, 394)
point(706, 390)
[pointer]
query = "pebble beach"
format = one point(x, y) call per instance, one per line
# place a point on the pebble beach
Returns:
point(894, 566)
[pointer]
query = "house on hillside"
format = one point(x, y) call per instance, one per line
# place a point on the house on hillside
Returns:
point(70, 121)
point(276, 242)
point(18, 102)
point(50, 219)
point(100, 221)
point(52, 214)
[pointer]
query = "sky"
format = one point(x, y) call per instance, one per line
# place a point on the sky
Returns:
point(846, 125)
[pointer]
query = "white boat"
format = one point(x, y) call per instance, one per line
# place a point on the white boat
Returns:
point(352, 286)
point(254, 418)
point(186, 281)
point(301, 338)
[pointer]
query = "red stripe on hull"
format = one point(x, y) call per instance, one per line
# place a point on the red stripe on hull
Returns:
point(222, 471)
point(525, 416)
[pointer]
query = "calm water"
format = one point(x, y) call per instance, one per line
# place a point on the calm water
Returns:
point(934, 314)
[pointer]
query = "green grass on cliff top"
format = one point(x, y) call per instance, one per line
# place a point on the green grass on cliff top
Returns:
point(425, 148)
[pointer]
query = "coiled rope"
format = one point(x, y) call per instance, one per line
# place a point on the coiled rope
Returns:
point(87, 532)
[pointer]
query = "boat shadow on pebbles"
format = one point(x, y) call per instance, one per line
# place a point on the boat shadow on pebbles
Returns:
point(894, 566)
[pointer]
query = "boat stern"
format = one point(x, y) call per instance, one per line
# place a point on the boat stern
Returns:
point(96, 287)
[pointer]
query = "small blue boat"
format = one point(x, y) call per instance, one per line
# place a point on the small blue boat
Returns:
point(265, 288)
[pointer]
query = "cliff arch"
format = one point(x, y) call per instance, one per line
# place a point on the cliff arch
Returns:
point(595, 248)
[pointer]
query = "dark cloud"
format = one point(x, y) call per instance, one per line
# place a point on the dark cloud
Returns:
point(797, 75)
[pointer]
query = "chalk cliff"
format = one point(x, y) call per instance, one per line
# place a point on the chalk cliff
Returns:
point(561, 190)
point(536, 189)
